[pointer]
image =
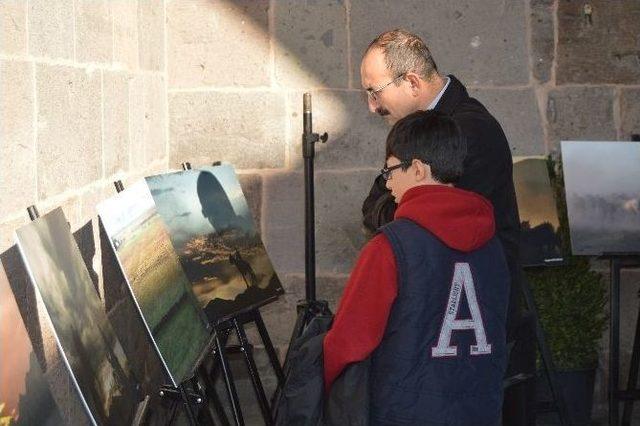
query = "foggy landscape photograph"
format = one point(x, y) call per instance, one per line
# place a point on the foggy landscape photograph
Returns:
point(602, 184)
point(216, 239)
point(25, 396)
point(84, 334)
point(159, 286)
point(540, 239)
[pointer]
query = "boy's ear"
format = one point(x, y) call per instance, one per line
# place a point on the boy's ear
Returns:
point(423, 170)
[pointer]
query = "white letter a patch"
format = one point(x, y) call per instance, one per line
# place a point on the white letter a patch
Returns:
point(462, 282)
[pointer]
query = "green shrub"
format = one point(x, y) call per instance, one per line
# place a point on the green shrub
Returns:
point(571, 299)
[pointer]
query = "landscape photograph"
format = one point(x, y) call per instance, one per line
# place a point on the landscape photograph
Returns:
point(97, 363)
point(161, 290)
point(25, 396)
point(218, 244)
point(540, 238)
point(602, 184)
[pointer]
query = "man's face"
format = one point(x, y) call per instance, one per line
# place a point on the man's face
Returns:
point(395, 101)
point(399, 180)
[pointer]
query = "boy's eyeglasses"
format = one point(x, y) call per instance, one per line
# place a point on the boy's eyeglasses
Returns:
point(386, 171)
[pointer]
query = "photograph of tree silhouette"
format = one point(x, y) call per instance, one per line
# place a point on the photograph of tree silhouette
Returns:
point(150, 265)
point(540, 238)
point(25, 397)
point(88, 342)
point(218, 244)
point(602, 184)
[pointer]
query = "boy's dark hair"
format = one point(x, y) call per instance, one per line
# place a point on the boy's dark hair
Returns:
point(432, 137)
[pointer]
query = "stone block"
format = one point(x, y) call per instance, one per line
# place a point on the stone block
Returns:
point(311, 44)
point(137, 121)
point(580, 113)
point(125, 32)
point(204, 39)
point(482, 43)
point(517, 112)
point(94, 31)
point(630, 113)
point(356, 137)
point(7, 228)
point(542, 38)
point(252, 188)
point(246, 129)
point(601, 50)
point(13, 27)
point(69, 134)
point(151, 28)
point(155, 118)
point(51, 33)
point(17, 143)
point(116, 143)
point(339, 231)
point(283, 221)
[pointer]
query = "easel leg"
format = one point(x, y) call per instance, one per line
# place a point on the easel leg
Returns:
point(253, 372)
point(633, 374)
point(614, 341)
point(547, 361)
point(228, 379)
point(268, 345)
point(212, 395)
point(191, 415)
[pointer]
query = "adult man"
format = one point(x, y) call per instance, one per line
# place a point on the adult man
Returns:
point(427, 300)
point(400, 77)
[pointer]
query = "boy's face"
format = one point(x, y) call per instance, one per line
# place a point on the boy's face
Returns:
point(400, 181)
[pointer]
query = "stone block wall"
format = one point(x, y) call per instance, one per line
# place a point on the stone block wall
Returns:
point(93, 91)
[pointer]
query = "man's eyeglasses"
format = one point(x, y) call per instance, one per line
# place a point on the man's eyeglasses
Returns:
point(386, 171)
point(373, 93)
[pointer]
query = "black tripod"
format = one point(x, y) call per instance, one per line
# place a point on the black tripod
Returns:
point(310, 307)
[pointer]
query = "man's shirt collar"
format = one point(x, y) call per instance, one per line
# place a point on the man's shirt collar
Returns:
point(433, 103)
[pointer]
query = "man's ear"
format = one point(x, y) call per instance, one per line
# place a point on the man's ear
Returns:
point(414, 81)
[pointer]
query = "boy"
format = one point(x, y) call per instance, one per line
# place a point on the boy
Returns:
point(427, 299)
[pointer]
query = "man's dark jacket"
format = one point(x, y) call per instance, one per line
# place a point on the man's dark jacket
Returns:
point(488, 171)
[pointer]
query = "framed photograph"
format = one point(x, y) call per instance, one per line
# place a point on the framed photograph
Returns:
point(218, 244)
point(540, 238)
point(25, 396)
point(88, 345)
point(602, 184)
point(162, 293)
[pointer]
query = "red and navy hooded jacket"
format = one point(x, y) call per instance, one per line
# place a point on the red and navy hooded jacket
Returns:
point(427, 301)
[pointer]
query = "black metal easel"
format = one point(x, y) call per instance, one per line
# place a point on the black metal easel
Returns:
point(617, 262)
point(221, 332)
point(191, 398)
point(557, 403)
point(143, 405)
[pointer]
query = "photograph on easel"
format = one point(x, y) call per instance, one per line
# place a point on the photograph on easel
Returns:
point(602, 184)
point(88, 344)
point(219, 246)
point(25, 396)
point(539, 223)
point(156, 280)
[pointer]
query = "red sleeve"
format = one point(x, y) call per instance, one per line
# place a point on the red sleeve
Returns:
point(362, 315)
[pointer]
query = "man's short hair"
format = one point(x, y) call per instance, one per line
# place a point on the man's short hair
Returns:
point(432, 137)
point(405, 52)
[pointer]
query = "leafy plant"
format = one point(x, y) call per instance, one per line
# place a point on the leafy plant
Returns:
point(571, 299)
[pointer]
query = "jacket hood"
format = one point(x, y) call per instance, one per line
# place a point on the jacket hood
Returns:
point(462, 220)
